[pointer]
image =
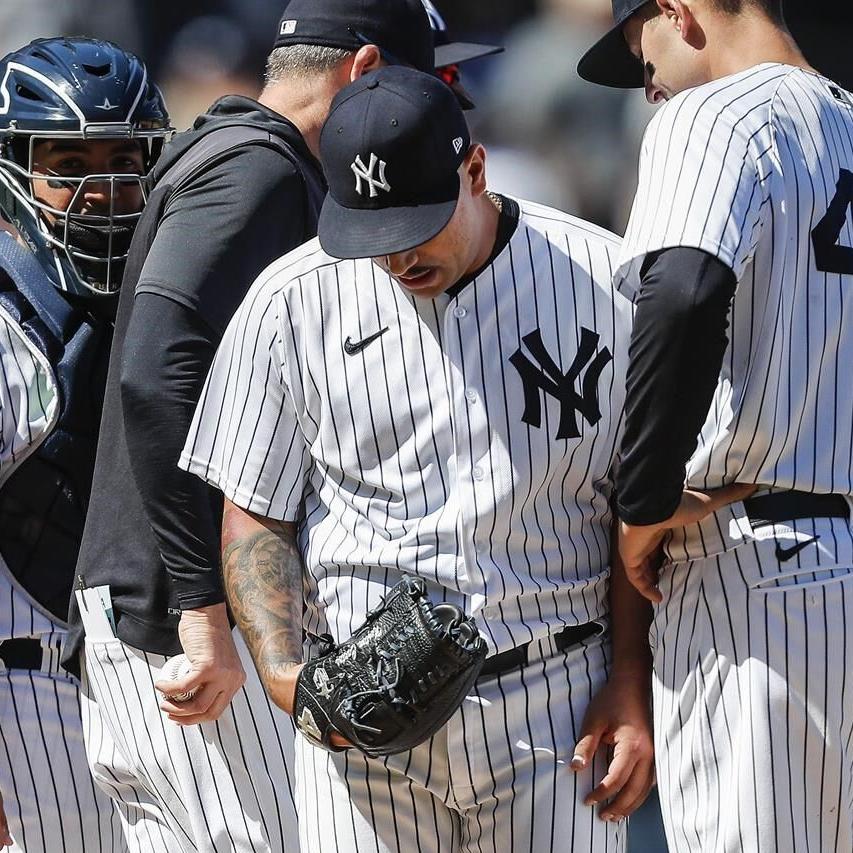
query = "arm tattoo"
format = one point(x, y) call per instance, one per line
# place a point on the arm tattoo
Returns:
point(263, 584)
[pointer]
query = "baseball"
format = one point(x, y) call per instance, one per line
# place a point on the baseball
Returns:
point(177, 667)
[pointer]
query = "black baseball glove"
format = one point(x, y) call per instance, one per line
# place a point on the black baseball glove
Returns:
point(397, 680)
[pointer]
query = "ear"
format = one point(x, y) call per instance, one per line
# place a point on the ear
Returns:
point(366, 60)
point(679, 15)
point(474, 168)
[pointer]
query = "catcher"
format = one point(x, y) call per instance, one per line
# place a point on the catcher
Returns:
point(415, 444)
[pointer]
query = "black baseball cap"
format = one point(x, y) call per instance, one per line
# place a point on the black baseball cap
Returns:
point(449, 55)
point(609, 61)
point(391, 149)
point(399, 28)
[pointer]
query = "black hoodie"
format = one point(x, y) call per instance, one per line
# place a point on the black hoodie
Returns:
point(152, 531)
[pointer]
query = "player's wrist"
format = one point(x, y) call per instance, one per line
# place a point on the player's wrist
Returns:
point(633, 669)
point(280, 680)
point(212, 614)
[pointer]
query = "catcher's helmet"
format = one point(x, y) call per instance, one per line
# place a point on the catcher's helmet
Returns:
point(86, 90)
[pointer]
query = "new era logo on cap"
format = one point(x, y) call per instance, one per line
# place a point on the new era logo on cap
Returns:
point(458, 143)
point(288, 28)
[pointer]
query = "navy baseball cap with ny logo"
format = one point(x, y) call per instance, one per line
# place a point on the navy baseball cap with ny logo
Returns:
point(399, 28)
point(391, 150)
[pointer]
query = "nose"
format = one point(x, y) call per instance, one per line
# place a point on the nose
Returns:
point(402, 262)
point(654, 95)
point(99, 193)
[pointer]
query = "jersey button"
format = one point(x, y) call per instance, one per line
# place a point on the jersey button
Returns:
point(478, 473)
point(459, 312)
point(471, 397)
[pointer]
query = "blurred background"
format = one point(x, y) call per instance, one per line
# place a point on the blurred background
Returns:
point(551, 137)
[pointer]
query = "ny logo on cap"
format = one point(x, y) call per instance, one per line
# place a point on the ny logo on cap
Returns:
point(364, 174)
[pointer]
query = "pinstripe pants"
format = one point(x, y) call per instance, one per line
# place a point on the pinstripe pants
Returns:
point(214, 788)
point(495, 779)
point(51, 801)
point(753, 694)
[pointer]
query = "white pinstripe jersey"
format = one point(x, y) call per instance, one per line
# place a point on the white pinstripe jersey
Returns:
point(29, 406)
point(412, 454)
point(757, 169)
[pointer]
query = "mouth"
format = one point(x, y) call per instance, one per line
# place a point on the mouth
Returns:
point(418, 278)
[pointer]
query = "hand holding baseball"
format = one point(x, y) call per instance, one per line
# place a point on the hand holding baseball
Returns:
point(199, 685)
point(177, 670)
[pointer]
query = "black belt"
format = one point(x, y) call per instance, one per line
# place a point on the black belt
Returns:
point(568, 637)
point(21, 654)
point(791, 506)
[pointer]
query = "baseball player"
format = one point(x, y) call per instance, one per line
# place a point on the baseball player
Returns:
point(80, 126)
point(448, 409)
point(238, 190)
point(739, 254)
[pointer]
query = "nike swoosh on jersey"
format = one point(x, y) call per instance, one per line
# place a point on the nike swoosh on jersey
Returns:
point(785, 554)
point(351, 348)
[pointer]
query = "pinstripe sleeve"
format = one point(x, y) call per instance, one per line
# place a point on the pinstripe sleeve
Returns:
point(29, 398)
point(245, 438)
point(699, 183)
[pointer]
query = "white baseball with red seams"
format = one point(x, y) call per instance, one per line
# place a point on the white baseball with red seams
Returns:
point(174, 669)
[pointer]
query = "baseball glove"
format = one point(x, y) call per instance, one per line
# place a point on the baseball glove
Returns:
point(397, 680)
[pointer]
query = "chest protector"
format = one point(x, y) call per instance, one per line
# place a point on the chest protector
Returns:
point(43, 501)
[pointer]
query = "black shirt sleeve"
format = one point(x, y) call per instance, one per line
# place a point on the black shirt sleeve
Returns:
point(677, 349)
point(166, 357)
point(216, 236)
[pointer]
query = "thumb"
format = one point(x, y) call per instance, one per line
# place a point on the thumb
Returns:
point(186, 684)
point(696, 505)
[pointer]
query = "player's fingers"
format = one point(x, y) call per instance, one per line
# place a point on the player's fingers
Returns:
point(585, 748)
point(644, 578)
point(193, 706)
point(5, 835)
point(617, 775)
point(213, 712)
point(633, 792)
point(191, 681)
point(339, 741)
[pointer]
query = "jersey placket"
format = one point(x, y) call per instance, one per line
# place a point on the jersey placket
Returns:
point(471, 437)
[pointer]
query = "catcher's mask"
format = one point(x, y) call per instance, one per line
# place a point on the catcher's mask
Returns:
point(79, 91)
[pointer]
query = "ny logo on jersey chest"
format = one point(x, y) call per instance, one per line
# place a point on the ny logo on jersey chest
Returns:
point(544, 376)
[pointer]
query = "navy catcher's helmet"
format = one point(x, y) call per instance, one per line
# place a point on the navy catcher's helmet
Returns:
point(85, 90)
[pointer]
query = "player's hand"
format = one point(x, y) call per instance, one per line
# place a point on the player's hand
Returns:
point(638, 545)
point(206, 638)
point(619, 717)
point(281, 688)
point(5, 835)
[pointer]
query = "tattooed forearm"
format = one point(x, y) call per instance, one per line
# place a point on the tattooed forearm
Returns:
point(263, 582)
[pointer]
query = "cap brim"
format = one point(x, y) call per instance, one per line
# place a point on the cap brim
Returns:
point(457, 52)
point(359, 233)
point(609, 62)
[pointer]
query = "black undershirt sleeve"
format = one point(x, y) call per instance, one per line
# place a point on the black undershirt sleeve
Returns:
point(167, 355)
point(217, 235)
point(677, 348)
